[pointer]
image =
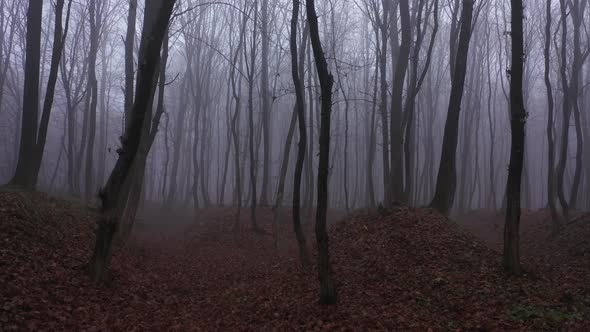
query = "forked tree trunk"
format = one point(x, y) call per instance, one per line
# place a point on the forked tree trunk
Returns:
point(158, 14)
point(328, 293)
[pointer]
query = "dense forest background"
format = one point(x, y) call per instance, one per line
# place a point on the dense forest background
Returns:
point(185, 152)
point(229, 61)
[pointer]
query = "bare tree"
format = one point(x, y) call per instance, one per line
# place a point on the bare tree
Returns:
point(22, 176)
point(446, 182)
point(511, 258)
point(550, 121)
point(327, 288)
point(300, 104)
point(156, 19)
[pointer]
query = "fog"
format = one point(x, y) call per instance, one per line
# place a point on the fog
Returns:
point(253, 116)
point(191, 162)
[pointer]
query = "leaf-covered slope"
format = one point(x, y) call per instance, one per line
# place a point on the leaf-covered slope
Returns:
point(411, 269)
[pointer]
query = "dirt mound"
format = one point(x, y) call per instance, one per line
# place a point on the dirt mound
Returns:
point(411, 269)
point(418, 270)
point(570, 246)
point(44, 246)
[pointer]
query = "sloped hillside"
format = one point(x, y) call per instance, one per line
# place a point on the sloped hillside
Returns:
point(405, 269)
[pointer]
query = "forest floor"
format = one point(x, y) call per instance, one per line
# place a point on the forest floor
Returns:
point(407, 269)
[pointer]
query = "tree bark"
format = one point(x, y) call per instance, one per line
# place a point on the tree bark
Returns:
point(396, 178)
point(59, 36)
point(511, 258)
point(300, 105)
point(129, 66)
point(95, 17)
point(30, 115)
point(158, 12)
point(264, 81)
point(328, 293)
point(446, 182)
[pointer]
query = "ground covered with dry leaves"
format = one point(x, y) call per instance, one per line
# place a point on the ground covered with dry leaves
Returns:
point(406, 269)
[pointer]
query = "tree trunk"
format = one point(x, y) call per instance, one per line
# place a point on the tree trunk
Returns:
point(567, 110)
point(59, 36)
point(396, 178)
point(384, 24)
point(112, 203)
point(28, 132)
point(95, 22)
point(129, 66)
point(253, 157)
point(511, 258)
point(328, 293)
point(300, 105)
point(446, 182)
point(264, 31)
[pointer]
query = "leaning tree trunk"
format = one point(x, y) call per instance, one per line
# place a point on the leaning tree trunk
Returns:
point(446, 182)
point(328, 293)
point(157, 13)
point(59, 37)
point(511, 259)
point(133, 196)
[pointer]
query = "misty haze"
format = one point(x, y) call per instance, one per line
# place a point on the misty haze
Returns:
point(279, 165)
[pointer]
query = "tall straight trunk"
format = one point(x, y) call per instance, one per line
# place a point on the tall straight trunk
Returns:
point(312, 103)
point(264, 31)
point(396, 178)
point(95, 19)
point(253, 157)
point(167, 158)
point(129, 66)
point(372, 142)
point(5, 59)
point(446, 182)
point(328, 293)
point(511, 258)
point(236, 92)
point(157, 13)
point(577, 9)
point(300, 105)
point(384, 24)
point(491, 126)
point(454, 36)
point(567, 110)
point(30, 115)
point(103, 133)
point(178, 138)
